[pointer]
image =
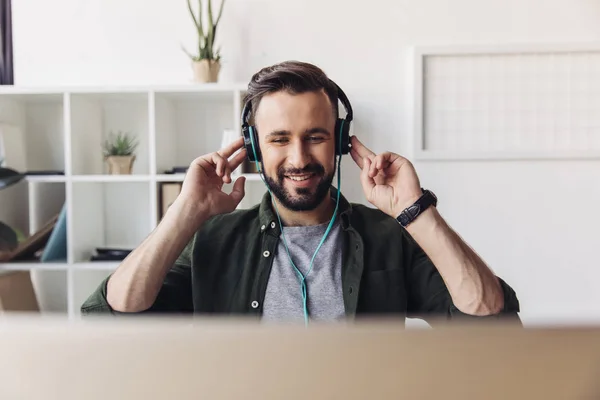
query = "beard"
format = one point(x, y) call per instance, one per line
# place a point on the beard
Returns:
point(302, 199)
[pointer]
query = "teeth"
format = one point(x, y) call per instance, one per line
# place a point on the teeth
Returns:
point(299, 178)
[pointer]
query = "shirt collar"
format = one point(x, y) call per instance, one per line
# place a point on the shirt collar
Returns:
point(268, 219)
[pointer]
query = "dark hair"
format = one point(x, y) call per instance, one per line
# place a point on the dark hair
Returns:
point(293, 77)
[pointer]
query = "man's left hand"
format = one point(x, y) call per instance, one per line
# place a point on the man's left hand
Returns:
point(389, 180)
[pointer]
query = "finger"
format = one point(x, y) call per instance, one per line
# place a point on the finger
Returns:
point(220, 164)
point(360, 148)
point(231, 148)
point(238, 191)
point(205, 163)
point(357, 159)
point(227, 174)
point(237, 159)
point(380, 163)
point(373, 168)
point(367, 182)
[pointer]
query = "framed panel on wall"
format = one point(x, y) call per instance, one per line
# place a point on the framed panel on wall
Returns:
point(507, 102)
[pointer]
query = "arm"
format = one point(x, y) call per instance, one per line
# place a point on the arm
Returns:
point(445, 273)
point(156, 275)
point(429, 295)
point(136, 283)
point(474, 288)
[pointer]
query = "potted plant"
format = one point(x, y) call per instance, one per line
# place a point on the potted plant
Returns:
point(206, 64)
point(119, 153)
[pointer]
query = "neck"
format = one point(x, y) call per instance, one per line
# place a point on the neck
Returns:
point(319, 215)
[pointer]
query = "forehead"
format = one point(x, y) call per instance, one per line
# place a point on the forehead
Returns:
point(283, 110)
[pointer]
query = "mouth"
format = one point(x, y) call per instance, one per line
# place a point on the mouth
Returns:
point(302, 180)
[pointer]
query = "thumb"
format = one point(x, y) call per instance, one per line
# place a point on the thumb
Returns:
point(238, 191)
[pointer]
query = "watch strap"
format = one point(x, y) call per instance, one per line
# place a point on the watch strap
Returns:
point(411, 213)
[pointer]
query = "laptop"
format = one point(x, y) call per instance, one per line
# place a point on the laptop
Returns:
point(170, 358)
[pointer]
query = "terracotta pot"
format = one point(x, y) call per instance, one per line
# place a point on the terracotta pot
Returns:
point(206, 71)
point(120, 165)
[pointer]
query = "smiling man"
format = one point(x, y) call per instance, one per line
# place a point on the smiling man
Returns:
point(305, 252)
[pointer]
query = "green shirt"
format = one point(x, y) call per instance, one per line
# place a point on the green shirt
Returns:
point(225, 268)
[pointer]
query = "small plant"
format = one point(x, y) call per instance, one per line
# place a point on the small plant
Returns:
point(206, 39)
point(121, 144)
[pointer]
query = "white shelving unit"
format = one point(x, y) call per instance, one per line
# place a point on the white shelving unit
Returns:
point(64, 129)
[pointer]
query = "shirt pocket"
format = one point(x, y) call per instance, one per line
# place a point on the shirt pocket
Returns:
point(382, 292)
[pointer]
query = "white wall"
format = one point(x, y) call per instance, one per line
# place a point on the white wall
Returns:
point(534, 222)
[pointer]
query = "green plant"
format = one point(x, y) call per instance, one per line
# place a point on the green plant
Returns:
point(121, 144)
point(206, 39)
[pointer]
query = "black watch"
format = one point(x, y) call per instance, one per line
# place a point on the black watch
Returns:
point(423, 203)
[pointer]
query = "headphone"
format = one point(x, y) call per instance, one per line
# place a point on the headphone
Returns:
point(342, 146)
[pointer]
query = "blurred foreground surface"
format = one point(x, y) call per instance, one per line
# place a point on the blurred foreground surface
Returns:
point(169, 358)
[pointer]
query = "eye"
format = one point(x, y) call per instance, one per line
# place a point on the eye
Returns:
point(315, 138)
point(279, 140)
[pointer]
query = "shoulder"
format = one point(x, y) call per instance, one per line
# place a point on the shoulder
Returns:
point(235, 222)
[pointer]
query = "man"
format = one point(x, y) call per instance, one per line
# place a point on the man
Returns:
point(303, 253)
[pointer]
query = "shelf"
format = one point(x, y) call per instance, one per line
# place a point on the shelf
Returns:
point(94, 117)
point(170, 177)
point(180, 177)
point(63, 129)
point(189, 124)
point(110, 178)
point(119, 178)
point(29, 266)
point(58, 266)
point(35, 126)
point(45, 178)
point(109, 214)
point(45, 91)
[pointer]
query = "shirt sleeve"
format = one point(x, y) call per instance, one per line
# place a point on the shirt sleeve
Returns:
point(429, 299)
point(174, 296)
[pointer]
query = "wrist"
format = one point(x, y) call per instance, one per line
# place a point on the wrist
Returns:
point(404, 204)
point(427, 223)
point(419, 206)
point(185, 215)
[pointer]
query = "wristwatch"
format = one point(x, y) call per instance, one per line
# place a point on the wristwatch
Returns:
point(412, 212)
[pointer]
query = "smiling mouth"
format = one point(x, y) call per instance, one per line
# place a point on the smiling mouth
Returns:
point(299, 178)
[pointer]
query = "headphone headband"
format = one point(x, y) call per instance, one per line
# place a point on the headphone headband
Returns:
point(340, 94)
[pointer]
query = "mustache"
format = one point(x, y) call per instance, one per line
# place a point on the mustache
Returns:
point(308, 169)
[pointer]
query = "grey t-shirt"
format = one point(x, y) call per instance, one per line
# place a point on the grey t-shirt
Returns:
point(283, 298)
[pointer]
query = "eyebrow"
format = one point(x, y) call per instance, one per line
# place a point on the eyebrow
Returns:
point(306, 132)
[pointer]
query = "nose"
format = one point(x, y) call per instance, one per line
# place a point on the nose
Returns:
point(298, 155)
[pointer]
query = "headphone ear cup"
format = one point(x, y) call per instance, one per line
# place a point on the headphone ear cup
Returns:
point(342, 145)
point(248, 143)
point(249, 134)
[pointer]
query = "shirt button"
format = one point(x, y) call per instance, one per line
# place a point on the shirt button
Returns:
point(255, 304)
point(262, 228)
point(266, 253)
point(272, 224)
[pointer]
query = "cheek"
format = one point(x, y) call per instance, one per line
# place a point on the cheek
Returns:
point(272, 161)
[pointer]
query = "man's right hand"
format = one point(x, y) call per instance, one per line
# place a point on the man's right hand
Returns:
point(201, 195)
